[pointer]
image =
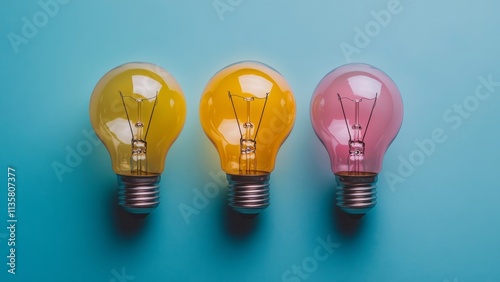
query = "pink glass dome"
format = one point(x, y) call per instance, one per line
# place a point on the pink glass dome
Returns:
point(356, 111)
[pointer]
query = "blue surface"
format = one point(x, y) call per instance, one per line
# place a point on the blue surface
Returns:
point(436, 222)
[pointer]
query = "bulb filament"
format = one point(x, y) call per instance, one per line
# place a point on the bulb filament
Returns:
point(248, 143)
point(356, 158)
point(138, 158)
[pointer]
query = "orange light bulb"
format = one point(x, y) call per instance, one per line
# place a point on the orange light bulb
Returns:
point(247, 110)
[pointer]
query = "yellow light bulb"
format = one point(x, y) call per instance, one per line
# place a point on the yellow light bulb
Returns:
point(138, 110)
point(247, 110)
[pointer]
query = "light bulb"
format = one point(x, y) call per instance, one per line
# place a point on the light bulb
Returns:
point(138, 110)
point(247, 110)
point(356, 111)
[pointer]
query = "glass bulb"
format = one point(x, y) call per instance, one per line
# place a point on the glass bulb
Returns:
point(138, 110)
point(356, 111)
point(247, 110)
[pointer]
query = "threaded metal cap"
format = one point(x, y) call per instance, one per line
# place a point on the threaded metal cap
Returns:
point(356, 194)
point(139, 194)
point(248, 194)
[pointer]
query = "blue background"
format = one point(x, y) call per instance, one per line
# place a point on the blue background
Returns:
point(440, 222)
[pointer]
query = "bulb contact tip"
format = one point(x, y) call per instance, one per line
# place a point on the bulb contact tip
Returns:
point(356, 194)
point(248, 194)
point(139, 194)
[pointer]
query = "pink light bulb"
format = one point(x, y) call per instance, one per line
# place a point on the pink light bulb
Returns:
point(356, 111)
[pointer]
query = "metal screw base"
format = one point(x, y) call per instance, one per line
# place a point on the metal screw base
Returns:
point(356, 194)
point(139, 194)
point(248, 194)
